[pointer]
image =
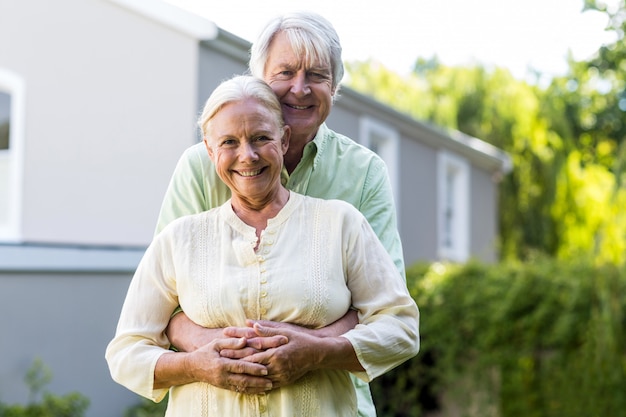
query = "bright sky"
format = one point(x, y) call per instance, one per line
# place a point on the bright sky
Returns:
point(515, 34)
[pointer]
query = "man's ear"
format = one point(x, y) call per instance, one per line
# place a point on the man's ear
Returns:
point(208, 148)
point(285, 139)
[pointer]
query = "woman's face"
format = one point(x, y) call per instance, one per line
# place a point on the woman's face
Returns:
point(305, 93)
point(246, 144)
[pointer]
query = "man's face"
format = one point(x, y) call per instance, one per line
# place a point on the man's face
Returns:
point(305, 93)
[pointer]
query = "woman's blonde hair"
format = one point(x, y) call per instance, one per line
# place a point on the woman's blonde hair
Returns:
point(240, 88)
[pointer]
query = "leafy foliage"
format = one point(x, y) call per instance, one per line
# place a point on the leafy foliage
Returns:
point(542, 339)
point(567, 141)
point(37, 377)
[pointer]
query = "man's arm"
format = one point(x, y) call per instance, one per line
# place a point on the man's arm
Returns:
point(379, 209)
point(187, 336)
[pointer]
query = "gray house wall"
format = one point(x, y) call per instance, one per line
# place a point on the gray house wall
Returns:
point(62, 308)
point(97, 158)
point(112, 97)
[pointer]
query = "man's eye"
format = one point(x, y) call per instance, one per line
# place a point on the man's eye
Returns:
point(319, 76)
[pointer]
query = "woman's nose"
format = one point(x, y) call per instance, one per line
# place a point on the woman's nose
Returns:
point(248, 152)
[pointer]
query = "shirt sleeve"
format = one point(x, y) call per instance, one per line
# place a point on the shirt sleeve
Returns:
point(388, 329)
point(185, 193)
point(378, 207)
point(139, 338)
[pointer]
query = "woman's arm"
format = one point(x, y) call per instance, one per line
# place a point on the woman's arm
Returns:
point(206, 365)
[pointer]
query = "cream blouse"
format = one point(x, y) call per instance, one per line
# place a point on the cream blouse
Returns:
point(315, 260)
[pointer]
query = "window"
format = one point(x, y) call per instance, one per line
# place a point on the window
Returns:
point(383, 140)
point(5, 119)
point(11, 139)
point(453, 207)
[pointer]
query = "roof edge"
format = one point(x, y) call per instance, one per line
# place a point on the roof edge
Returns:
point(483, 153)
point(172, 16)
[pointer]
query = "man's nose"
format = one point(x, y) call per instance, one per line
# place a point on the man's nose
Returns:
point(300, 85)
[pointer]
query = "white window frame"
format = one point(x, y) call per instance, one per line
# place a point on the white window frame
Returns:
point(14, 85)
point(453, 210)
point(385, 141)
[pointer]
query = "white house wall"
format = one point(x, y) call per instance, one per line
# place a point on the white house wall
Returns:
point(109, 107)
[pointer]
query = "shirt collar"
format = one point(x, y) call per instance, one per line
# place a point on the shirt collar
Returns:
point(318, 145)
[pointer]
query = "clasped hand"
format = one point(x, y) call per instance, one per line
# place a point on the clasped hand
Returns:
point(285, 350)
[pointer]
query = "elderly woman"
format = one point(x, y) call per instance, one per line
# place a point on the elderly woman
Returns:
point(268, 254)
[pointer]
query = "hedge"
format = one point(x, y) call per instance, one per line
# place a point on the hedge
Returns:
point(539, 339)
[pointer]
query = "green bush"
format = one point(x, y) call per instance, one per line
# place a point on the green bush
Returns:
point(540, 339)
point(38, 376)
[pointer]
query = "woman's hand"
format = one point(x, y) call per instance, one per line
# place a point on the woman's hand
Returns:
point(207, 365)
point(255, 343)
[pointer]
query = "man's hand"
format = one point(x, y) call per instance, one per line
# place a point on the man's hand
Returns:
point(187, 336)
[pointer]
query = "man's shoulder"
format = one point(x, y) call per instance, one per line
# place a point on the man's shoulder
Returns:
point(196, 151)
point(346, 146)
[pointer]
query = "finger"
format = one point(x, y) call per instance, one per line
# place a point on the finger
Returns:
point(266, 323)
point(243, 368)
point(230, 343)
point(246, 332)
point(269, 331)
point(250, 385)
point(237, 353)
point(268, 342)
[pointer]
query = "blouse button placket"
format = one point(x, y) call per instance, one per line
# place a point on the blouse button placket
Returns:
point(266, 243)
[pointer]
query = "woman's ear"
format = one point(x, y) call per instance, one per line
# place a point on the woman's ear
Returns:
point(284, 142)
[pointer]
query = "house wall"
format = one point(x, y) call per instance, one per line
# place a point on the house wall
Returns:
point(483, 216)
point(90, 67)
point(66, 319)
point(417, 199)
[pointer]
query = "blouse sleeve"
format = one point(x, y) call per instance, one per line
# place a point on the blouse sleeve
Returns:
point(140, 339)
point(388, 329)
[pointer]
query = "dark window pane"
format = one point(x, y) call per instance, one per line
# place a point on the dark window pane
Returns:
point(5, 118)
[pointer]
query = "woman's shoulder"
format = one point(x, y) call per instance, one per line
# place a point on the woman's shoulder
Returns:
point(332, 206)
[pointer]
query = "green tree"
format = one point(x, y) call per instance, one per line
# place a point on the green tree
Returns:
point(565, 194)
